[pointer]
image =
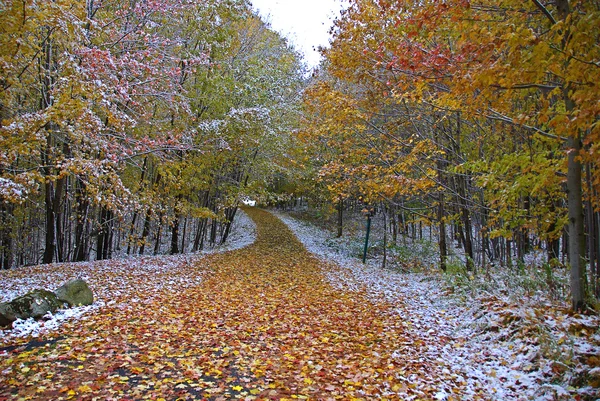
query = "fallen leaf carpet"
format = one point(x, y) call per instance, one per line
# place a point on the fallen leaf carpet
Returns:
point(264, 323)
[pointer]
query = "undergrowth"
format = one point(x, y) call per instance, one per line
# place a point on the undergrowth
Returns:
point(527, 304)
point(520, 304)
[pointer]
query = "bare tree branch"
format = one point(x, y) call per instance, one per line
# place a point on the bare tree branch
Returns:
point(544, 10)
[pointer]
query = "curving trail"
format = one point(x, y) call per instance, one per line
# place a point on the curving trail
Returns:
point(263, 323)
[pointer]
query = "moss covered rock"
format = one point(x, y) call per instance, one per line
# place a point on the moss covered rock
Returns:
point(75, 293)
point(35, 304)
point(7, 314)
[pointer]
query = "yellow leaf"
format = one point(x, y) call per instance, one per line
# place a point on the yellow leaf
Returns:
point(237, 388)
point(84, 389)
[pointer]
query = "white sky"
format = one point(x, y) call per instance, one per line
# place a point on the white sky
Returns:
point(305, 23)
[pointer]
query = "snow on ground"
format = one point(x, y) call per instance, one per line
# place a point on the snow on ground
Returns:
point(243, 233)
point(130, 279)
point(480, 342)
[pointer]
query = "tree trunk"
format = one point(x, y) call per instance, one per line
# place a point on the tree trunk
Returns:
point(110, 237)
point(81, 216)
point(230, 215)
point(596, 275)
point(145, 231)
point(158, 235)
point(384, 210)
point(442, 241)
point(50, 224)
point(57, 205)
point(131, 237)
point(552, 244)
point(199, 235)
point(184, 234)
point(592, 229)
point(576, 225)
point(402, 224)
point(45, 102)
point(466, 231)
point(100, 237)
point(6, 235)
point(394, 224)
point(213, 232)
point(574, 189)
point(441, 168)
point(340, 216)
point(203, 234)
point(175, 235)
point(201, 230)
point(565, 246)
point(104, 241)
point(147, 221)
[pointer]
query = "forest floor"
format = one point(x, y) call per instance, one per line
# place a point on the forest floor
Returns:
point(270, 321)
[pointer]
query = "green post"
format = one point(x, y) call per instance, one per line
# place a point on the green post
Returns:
point(367, 238)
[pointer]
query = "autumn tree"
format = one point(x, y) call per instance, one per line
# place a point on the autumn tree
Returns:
point(101, 107)
point(501, 95)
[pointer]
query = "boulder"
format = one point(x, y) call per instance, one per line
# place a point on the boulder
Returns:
point(39, 302)
point(35, 304)
point(7, 314)
point(75, 293)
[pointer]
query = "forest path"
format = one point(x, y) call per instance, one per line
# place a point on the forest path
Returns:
point(264, 323)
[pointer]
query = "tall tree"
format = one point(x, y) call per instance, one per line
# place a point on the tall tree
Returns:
point(502, 92)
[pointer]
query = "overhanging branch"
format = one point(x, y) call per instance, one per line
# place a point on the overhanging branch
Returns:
point(545, 11)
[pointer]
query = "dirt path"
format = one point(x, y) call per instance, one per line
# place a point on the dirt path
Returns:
point(262, 324)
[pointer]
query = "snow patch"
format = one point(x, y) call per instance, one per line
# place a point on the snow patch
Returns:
point(115, 280)
point(482, 350)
